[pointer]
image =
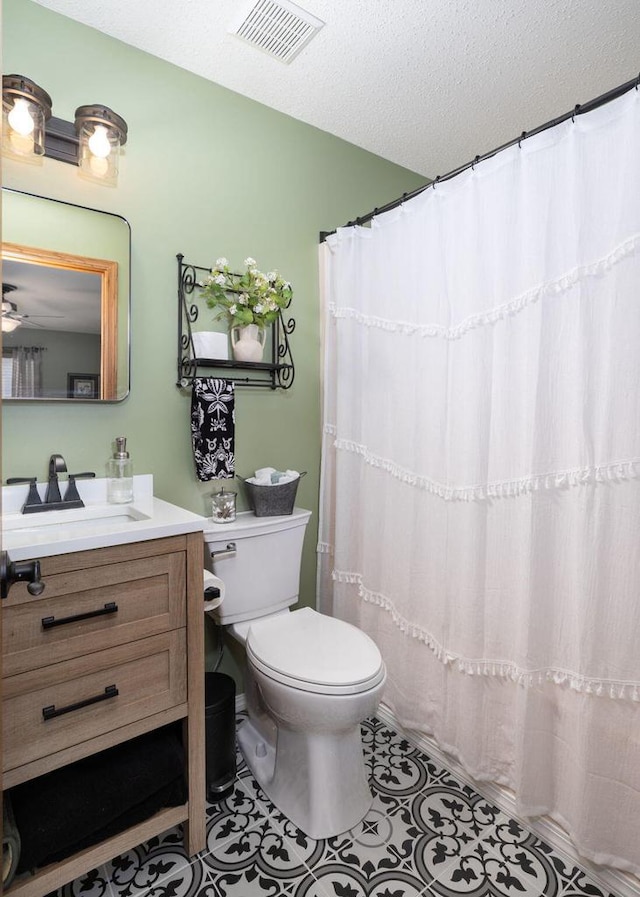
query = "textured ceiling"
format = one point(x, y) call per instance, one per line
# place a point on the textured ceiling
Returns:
point(428, 84)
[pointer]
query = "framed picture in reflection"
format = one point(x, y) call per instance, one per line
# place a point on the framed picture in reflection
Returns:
point(83, 386)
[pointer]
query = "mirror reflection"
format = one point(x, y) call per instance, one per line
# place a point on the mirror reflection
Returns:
point(65, 301)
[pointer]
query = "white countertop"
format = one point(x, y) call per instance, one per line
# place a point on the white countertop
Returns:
point(97, 525)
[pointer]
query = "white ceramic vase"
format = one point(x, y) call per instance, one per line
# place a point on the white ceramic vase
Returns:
point(248, 342)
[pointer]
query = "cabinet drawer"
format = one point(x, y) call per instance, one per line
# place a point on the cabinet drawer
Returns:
point(91, 610)
point(149, 676)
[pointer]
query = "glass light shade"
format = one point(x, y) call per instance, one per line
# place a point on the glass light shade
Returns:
point(101, 133)
point(25, 110)
point(9, 324)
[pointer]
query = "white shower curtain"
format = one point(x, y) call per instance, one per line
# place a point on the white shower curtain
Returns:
point(480, 498)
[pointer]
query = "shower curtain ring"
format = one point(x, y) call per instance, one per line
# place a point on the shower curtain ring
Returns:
point(435, 183)
point(576, 111)
point(521, 138)
point(474, 163)
point(638, 81)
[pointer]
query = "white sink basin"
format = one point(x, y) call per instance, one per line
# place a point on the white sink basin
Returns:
point(75, 521)
point(97, 525)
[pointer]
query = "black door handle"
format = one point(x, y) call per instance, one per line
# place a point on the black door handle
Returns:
point(20, 571)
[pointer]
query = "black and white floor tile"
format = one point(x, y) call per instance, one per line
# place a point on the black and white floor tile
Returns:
point(426, 834)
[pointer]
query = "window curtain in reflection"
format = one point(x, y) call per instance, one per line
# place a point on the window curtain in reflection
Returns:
point(25, 372)
point(480, 496)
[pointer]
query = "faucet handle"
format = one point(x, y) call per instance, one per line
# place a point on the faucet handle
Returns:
point(33, 498)
point(72, 495)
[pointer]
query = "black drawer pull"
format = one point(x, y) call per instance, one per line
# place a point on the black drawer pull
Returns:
point(50, 712)
point(50, 622)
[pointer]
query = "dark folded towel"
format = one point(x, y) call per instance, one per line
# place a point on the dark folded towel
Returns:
point(87, 801)
point(213, 428)
point(172, 795)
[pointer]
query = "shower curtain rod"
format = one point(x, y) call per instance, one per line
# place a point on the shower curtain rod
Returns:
point(577, 110)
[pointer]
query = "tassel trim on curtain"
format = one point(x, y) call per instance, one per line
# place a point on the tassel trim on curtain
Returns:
point(612, 688)
point(549, 289)
point(579, 476)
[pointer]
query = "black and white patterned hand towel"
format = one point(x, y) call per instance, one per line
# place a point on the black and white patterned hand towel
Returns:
point(213, 428)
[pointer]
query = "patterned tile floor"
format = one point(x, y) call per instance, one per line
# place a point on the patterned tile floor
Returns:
point(426, 834)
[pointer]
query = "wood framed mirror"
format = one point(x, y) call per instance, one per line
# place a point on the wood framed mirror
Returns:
point(66, 301)
point(41, 299)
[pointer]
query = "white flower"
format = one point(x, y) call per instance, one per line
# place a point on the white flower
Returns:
point(219, 279)
point(233, 309)
point(271, 276)
point(221, 263)
point(259, 308)
point(243, 299)
point(249, 262)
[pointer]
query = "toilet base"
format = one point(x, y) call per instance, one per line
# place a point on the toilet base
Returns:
point(331, 799)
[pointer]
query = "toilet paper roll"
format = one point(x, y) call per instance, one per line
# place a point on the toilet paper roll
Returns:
point(212, 581)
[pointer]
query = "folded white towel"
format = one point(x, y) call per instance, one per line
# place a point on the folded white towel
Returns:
point(285, 478)
point(264, 472)
point(260, 481)
point(269, 476)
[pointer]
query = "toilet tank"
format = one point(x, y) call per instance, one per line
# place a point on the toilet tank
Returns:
point(258, 559)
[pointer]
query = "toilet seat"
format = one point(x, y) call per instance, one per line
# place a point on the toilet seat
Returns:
point(315, 653)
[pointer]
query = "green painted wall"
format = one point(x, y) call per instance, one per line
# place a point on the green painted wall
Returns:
point(207, 173)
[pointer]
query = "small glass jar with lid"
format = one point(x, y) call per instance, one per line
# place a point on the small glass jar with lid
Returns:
point(223, 506)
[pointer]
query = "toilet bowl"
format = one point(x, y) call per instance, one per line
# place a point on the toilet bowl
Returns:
point(310, 680)
point(316, 678)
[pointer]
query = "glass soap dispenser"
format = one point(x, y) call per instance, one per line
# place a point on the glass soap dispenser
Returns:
point(120, 474)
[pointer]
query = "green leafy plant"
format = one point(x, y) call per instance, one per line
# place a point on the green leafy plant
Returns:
point(248, 298)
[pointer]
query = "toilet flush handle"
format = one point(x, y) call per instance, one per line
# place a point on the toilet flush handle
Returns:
point(229, 551)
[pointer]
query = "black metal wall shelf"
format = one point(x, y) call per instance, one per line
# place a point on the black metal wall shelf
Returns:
point(278, 373)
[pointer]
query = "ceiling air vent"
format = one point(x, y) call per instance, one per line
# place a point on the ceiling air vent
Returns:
point(280, 28)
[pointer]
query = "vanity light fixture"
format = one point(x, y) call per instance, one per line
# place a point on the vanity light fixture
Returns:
point(101, 133)
point(92, 141)
point(26, 108)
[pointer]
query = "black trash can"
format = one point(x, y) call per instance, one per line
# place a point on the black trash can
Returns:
point(220, 734)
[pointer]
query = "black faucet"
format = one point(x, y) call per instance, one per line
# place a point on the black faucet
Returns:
point(53, 501)
point(57, 465)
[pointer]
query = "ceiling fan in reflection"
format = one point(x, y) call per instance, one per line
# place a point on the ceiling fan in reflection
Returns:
point(11, 318)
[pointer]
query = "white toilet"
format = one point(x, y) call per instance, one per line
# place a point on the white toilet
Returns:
point(310, 679)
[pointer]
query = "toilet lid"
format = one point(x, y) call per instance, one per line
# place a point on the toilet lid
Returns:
point(315, 652)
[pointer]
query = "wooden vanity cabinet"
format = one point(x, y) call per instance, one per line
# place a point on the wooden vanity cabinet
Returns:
point(125, 619)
